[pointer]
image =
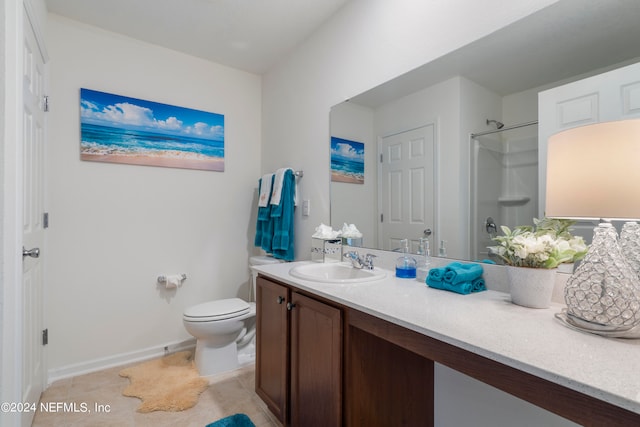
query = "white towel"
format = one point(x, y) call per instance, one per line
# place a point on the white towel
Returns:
point(277, 187)
point(265, 190)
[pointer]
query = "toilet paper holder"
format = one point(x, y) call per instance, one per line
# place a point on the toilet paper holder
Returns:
point(163, 279)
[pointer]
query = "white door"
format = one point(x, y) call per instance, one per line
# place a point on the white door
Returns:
point(33, 211)
point(407, 182)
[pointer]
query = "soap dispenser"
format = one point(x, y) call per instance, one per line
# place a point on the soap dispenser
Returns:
point(405, 265)
point(423, 259)
point(442, 251)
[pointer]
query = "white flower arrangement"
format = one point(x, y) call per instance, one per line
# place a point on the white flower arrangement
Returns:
point(546, 245)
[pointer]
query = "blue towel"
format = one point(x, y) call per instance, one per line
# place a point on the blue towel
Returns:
point(436, 274)
point(274, 228)
point(264, 226)
point(463, 288)
point(474, 282)
point(237, 420)
point(478, 285)
point(457, 272)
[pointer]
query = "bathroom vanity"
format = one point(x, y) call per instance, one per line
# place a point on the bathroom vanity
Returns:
point(331, 354)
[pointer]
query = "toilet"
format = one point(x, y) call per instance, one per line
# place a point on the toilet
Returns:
point(224, 329)
point(259, 260)
point(219, 327)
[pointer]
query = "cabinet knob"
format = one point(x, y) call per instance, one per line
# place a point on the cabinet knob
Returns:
point(290, 306)
point(280, 299)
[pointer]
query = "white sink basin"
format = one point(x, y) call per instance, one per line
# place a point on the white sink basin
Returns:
point(336, 272)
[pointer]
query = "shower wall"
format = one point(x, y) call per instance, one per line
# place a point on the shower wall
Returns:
point(504, 184)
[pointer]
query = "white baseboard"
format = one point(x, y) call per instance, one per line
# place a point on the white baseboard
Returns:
point(116, 360)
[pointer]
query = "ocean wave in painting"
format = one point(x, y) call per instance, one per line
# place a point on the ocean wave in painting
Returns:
point(102, 140)
point(347, 161)
point(119, 129)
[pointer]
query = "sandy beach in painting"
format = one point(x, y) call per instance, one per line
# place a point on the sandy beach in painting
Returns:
point(349, 178)
point(118, 129)
point(173, 160)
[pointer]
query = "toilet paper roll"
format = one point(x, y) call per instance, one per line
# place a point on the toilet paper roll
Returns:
point(173, 281)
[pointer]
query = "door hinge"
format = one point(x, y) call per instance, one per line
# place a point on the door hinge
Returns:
point(381, 217)
point(45, 220)
point(380, 157)
point(45, 103)
point(45, 337)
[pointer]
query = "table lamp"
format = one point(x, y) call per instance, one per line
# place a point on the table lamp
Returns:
point(593, 173)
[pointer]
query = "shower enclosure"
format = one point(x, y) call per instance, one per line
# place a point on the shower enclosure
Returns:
point(504, 182)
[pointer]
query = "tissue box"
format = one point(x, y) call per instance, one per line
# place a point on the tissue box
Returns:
point(326, 250)
point(350, 241)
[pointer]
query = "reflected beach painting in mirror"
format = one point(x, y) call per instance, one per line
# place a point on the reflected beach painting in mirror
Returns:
point(118, 129)
point(347, 161)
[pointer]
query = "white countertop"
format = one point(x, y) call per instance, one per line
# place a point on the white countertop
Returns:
point(488, 324)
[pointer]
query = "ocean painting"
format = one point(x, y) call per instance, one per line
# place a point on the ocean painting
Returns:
point(118, 129)
point(347, 161)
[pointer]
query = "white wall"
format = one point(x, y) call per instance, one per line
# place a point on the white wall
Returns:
point(363, 45)
point(366, 43)
point(114, 228)
point(356, 203)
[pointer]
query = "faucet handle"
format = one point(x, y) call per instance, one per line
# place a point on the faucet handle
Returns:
point(368, 260)
point(352, 255)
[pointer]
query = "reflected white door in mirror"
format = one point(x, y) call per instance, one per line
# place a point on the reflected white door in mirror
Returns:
point(406, 174)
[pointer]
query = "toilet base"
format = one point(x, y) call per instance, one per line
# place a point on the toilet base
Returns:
point(214, 360)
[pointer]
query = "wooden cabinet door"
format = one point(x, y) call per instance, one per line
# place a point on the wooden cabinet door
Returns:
point(316, 363)
point(272, 350)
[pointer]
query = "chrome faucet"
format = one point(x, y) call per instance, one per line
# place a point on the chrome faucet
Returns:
point(357, 261)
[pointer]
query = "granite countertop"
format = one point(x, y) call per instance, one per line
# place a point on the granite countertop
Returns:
point(488, 324)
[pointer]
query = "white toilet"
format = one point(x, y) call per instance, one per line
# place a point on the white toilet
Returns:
point(219, 326)
point(224, 329)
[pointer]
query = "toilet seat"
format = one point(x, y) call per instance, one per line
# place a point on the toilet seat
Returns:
point(217, 310)
point(264, 260)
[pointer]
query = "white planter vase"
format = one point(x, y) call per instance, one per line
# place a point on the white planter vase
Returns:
point(566, 268)
point(531, 287)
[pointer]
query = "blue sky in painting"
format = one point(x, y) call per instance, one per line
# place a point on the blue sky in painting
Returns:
point(345, 149)
point(105, 109)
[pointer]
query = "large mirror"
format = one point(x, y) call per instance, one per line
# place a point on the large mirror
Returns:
point(468, 119)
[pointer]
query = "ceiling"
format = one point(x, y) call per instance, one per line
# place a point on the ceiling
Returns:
point(567, 39)
point(251, 35)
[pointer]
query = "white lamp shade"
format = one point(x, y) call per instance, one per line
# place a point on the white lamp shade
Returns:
point(593, 172)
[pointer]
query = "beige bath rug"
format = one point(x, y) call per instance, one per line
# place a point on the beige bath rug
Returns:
point(171, 383)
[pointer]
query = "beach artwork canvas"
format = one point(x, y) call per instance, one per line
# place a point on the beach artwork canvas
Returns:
point(347, 161)
point(119, 129)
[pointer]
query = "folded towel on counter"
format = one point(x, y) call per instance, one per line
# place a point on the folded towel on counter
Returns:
point(463, 288)
point(436, 274)
point(457, 277)
point(457, 272)
point(264, 194)
point(478, 285)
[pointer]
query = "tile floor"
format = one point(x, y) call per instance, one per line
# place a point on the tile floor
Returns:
point(230, 393)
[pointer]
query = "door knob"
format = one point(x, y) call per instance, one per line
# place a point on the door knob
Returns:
point(33, 253)
point(280, 299)
point(490, 226)
point(427, 232)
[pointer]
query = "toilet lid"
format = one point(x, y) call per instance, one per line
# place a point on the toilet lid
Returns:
point(263, 260)
point(217, 310)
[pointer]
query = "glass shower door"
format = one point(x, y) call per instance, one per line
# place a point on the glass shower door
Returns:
point(504, 184)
